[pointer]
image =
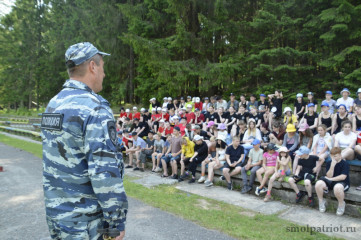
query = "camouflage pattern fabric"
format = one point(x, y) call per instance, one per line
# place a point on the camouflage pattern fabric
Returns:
point(75, 230)
point(80, 52)
point(82, 170)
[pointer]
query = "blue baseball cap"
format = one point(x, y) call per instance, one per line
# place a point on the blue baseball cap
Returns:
point(80, 52)
point(303, 150)
point(325, 104)
point(329, 92)
point(342, 105)
point(256, 141)
point(310, 105)
point(262, 95)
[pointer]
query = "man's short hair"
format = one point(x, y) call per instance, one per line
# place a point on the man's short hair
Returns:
point(335, 150)
point(80, 70)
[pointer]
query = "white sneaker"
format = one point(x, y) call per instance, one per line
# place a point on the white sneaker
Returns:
point(322, 205)
point(202, 179)
point(341, 209)
point(207, 181)
point(158, 169)
point(257, 191)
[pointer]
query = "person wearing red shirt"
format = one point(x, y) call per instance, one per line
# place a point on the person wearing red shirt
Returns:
point(190, 115)
point(198, 104)
point(161, 127)
point(136, 114)
point(168, 129)
point(199, 117)
point(128, 114)
point(165, 115)
point(122, 112)
point(181, 125)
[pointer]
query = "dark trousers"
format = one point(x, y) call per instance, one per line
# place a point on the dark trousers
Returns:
point(193, 165)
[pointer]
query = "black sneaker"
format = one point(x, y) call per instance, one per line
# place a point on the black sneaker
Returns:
point(141, 169)
point(244, 189)
point(174, 177)
point(248, 188)
point(180, 179)
point(136, 169)
point(192, 180)
point(222, 178)
point(230, 186)
point(299, 196)
point(184, 176)
point(311, 202)
point(129, 166)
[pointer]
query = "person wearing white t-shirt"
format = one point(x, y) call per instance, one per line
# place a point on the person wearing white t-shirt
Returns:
point(346, 100)
point(346, 140)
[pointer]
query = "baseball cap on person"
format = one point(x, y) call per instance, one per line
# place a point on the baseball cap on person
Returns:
point(256, 141)
point(134, 134)
point(329, 92)
point(299, 95)
point(169, 98)
point(262, 95)
point(189, 97)
point(177, 128)
point(231, 94)
point(159, 109)
point(342, 105)
point(197, 138)
point(136, 119)
point(154, 109)
point(303, 127)
point(271, 146)
point(127, 110)
point(325, 104)
point(358, 91)
point(196, 110)
point(181, 98)
point(310, 93)
point(165, 98)
point(206, 98)
point(310, 105)
point(142, 109)
point(135, 108)
point(197, 127)
point(302, 150)
point(80, 52)
point(120, 132)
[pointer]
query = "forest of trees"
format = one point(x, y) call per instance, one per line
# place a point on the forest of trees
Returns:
point(183, 47)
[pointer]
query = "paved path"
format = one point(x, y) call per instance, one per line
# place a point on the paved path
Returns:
point(20, 137)
point(23, 216)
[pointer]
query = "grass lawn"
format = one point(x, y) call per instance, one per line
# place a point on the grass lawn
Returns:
point(232, 220)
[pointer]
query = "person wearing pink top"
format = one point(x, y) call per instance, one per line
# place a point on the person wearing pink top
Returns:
point(268, 167)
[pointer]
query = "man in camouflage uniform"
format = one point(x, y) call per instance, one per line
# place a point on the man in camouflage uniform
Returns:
point(83, 171)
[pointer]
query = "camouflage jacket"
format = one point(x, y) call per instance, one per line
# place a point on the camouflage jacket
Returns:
point(82, 170)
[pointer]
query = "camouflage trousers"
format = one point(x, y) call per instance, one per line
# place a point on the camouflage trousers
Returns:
point(75, 230)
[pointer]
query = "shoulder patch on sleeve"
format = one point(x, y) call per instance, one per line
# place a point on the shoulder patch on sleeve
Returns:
point(52, 121)
point(112, 131)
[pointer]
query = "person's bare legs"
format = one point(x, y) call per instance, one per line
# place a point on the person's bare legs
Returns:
point(348, 154)
point(295, 163)
point(165, 169)
point(268, 173)
point(154, 155)
point(226, 174)
point(339, 192)
point(203, 166)
point(259, 174)
point(236, 171)
point(137, 153)
point(272, 179)
point(210, 170)
point(319, 187)
point(308, 186)
point(293, 185)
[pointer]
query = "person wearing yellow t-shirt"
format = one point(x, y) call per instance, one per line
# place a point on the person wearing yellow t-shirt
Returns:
point(289, 118)
point(187, 153)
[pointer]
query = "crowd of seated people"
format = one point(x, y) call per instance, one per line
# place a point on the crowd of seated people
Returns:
point(255, 138)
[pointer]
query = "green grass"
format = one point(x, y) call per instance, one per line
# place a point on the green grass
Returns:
point(232, 220)
point(33, 148)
